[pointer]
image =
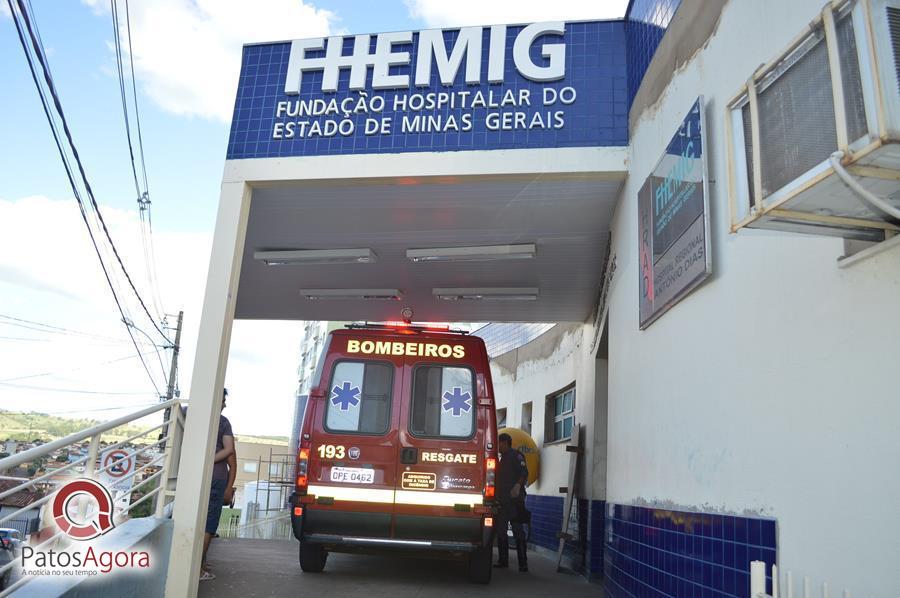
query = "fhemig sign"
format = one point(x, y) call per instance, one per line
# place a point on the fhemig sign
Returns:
point(432, 49)
point(550, 84)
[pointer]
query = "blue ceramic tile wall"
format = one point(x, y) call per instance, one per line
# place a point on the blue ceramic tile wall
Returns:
point(595, 67)
point(595, 539)
point(586, 553)
point(645, 24)
point(546, 519)
point(655, 552)
point(579, 549)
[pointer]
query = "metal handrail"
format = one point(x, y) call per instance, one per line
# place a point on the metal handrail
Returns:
point(43, 478)
point(90, 462)
point(46, 499)
point(32, 482)
point(13, 461)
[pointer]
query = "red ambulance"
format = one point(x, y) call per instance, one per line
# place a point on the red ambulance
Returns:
point(398, 449)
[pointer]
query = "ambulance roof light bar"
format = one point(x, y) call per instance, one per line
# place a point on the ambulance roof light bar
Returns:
point(483, 253)
point(404, 326)
point(302, 257)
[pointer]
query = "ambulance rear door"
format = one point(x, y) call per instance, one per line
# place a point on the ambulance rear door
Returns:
point(354, 452)
point(441, 469)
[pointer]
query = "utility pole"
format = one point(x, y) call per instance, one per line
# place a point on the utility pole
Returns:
point(171, 445)
point(173, 369)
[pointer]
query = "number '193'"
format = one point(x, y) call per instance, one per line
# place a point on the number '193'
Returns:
point(331, 451)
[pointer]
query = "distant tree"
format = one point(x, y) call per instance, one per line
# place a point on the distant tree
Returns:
point(145, 509)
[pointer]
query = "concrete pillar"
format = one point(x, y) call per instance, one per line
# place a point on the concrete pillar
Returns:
point(195, 464)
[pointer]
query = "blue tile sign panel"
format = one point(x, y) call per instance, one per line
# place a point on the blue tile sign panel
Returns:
point(542, 85)
point(673, 221)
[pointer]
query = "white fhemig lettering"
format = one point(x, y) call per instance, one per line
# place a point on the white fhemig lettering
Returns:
point(497, 54)
point(431, 43)
point(385, 58)
point(556, 53)
point(431, 50)
point(331, 64)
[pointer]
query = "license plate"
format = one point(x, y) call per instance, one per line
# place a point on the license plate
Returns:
point(353, 475)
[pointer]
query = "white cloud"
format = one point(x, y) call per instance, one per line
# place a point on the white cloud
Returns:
point(49, 273)
point(442, 13)
point(187, 53)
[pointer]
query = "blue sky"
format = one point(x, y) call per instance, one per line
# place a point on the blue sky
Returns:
point(185, 154)
point(187, 56)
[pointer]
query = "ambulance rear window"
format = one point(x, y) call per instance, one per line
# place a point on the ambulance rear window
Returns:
point(443, 402)
point(360, 398)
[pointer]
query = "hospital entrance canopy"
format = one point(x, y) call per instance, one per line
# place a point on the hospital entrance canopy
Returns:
point(469, 174)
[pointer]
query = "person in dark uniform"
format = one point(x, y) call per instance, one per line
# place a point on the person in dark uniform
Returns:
point(512, 474)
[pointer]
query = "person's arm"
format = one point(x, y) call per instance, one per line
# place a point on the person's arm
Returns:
point(232, 475)
point(227, 448)
point(523, 475)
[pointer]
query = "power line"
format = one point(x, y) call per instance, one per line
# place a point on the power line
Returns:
point(119, 408)
point(51, 87)
point(74, 390)
point(52, 328)
point(84, 367)
point(113, 5)
point(99, 340)
point(156, 347)
point(22, 338)
point(143, 192)
point(45, 104)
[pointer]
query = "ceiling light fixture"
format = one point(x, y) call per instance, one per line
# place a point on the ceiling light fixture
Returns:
point(299, 257)
point(365, 294)
point(487, 294)
point(481, 253)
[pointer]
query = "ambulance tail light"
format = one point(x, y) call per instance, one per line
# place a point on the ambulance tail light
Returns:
point(490, 478)
point(302, 471)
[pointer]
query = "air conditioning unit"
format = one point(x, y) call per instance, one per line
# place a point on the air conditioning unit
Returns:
point(815, 133)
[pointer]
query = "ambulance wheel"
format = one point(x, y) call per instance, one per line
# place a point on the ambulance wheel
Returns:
point(312, 557)
point(480, 565)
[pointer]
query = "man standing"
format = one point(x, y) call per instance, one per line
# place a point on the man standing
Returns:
point(222, 488)
point(512, 475)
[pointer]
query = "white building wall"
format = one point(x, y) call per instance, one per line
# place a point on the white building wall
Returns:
point(772, 389)
point(311, 344)
point(546, 365)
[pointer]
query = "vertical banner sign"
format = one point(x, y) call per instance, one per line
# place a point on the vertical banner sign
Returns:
point(673, 221)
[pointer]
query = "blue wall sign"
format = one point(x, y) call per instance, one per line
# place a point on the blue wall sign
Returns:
point(543, 85)
point(673, 221)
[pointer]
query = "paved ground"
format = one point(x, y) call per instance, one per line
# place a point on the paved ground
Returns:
point(250, 568)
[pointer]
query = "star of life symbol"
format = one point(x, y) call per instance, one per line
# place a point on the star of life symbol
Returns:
point(457, 401)
point(345, 396)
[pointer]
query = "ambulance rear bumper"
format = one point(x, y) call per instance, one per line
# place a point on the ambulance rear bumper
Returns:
point(373, 531)
point(336, 541)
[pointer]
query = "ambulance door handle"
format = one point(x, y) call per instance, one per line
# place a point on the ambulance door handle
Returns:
point(409, 455)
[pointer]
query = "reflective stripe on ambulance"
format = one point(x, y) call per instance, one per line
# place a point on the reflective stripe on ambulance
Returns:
point(351, 493)
point(438, 499)
point(401, 497)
